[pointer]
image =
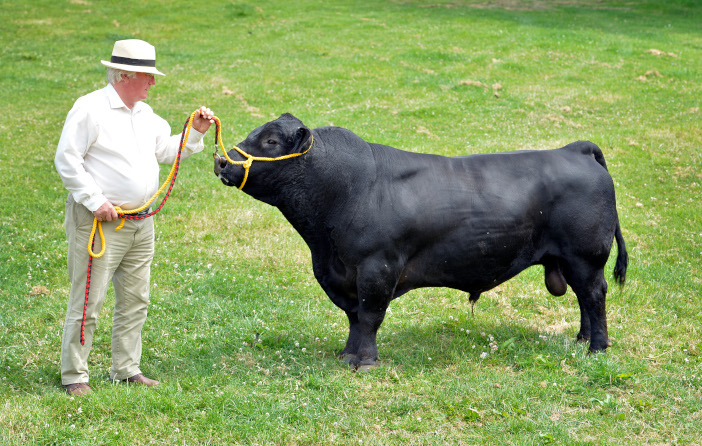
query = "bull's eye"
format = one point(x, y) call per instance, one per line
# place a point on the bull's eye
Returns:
point(272, 142)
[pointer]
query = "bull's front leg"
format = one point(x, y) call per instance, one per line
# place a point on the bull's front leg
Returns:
point(376, 282)
point(350, 351)
point(340, 285)
point(361, 350)
point(367, 355)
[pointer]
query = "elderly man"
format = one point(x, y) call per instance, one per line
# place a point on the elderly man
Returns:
point(108, 156)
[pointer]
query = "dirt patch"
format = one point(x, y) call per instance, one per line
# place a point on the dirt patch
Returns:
point(656, 52)
point(39, 290)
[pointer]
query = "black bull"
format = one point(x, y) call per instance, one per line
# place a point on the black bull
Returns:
point(380, 222)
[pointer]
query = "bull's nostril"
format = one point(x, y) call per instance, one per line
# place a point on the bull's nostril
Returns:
point(217, 168)
point(219, 163)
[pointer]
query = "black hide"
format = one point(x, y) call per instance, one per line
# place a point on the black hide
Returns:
point(380, 221)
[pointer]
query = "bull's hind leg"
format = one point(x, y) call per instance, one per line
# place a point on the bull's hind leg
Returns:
point(584, 333)
point(590, 287)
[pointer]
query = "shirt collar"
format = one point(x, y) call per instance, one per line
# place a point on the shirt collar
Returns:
point(117, 102)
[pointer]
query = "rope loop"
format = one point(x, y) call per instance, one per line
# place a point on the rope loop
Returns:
point(92, 237)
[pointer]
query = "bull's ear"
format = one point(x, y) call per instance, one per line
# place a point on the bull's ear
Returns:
point(303, 137)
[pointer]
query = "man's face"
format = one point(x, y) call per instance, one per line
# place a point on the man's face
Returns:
point(138, 87)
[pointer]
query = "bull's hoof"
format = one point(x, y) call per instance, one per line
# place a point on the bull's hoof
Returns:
point(600, 348)
point(582, 338)
point(366, 368)
point(348, 358)
point(600, 351)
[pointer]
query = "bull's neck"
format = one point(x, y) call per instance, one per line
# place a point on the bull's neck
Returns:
point(306, 212)
point(311, 193)
point(312, 203)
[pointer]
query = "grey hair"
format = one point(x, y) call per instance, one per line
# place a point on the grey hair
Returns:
point(114, 75)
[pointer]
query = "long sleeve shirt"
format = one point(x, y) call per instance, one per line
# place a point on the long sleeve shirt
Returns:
point(110, 153)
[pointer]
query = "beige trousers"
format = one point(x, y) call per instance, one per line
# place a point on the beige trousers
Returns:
point(127, 263)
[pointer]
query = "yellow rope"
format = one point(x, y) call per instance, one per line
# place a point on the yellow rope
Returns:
point(121, 211)
point(97, 225)
point(250, 158)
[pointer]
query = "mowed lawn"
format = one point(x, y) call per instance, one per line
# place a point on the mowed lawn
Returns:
point(239, 332)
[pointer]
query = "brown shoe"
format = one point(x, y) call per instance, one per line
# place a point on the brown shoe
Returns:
point(77, 389)
point(143, 380)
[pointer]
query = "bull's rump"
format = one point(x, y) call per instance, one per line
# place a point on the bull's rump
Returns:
point(473, 222)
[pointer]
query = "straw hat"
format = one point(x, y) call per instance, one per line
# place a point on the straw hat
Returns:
point(133, 55)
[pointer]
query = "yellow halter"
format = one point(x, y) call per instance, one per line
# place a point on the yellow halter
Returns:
point(249, 158)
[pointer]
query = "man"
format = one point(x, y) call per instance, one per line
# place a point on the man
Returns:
point(108, 156)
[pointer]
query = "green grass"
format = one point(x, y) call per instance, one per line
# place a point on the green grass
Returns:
point(241, 335)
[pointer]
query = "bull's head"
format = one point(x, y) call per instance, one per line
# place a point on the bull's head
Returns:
point(285, 138)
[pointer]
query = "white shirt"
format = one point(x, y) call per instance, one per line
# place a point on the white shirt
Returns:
point(108, 152)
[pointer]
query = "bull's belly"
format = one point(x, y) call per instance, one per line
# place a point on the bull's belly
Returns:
point(471, 266)
point(471, 278)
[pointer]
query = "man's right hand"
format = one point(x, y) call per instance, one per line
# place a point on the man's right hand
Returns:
point(106, 212)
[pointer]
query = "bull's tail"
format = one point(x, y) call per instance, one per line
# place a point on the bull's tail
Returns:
point(591, 149)
point(622, 256)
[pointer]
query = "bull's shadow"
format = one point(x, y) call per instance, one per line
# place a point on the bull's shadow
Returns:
point(438, 344)
point(472, 335)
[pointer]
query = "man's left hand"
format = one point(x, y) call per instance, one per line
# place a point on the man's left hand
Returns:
point(203, 119)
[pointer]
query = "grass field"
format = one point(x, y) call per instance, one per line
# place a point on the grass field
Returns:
point(239, 332)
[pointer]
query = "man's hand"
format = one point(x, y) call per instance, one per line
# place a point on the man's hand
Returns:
point(106, 212)
point(203, 119)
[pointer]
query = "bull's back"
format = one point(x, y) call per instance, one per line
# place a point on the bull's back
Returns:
point(436, 194)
